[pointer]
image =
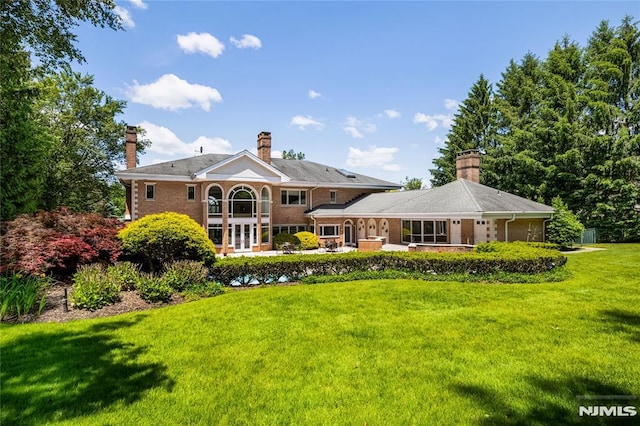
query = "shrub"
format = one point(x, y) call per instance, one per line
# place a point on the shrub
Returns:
point(22, 294)
point(308, 240)
point(161, 238)
point(285, 237)
point(57, 242)
point(185, 274)
point(207, 289)
point(126, 274)
point(153, 288)
point(93, 288)
point(564, 228)
point(503, 257)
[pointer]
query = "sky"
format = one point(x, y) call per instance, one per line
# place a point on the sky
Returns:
point(371, 87)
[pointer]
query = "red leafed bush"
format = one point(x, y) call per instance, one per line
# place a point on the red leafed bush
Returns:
point(57, 242)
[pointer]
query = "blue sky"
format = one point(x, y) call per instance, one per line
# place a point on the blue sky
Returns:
point(367, 86)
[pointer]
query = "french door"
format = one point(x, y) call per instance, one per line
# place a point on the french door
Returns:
point(242, 236)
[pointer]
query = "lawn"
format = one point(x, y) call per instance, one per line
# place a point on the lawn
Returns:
point(368, 352)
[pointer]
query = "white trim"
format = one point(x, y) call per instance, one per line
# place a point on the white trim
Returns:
point(336, 225)
point(143, 176)
point(202, 174)
point(146, 191)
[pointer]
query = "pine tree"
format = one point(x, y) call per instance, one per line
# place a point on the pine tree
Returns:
point(472, 129)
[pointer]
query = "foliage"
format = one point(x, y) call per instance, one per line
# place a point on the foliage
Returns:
point(162, 238)
point(308, 240)
point(564, 228)
point(285, 237)
point(207, 289)
point(153, 289)
point(43, 29)
point(126, 274)
point(504, 257)
point(86, 143)
point(562, 126)
point(409, 184)
point(184, 274)
point(396, 351)
point(21, 294)
point(57, 242)
point(94, 288)
point(292, 155)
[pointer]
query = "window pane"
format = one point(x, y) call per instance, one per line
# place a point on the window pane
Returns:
point(150, 192)
point(303, 197)
point(283, 197)
point(406, 231)
point(416, 227)
point(294, 197)
point(191, 192)
point(428, 227)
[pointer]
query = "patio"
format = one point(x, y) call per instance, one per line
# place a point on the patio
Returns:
point(322, 250)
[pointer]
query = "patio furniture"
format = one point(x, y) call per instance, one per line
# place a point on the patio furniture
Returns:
point(331, 245)
point(288, 248)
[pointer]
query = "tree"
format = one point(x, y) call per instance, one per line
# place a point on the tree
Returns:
point(472, 129)
point(409, 184)
point(292, 155)
point(42, 28)
point(86, 143)
point(564, 228)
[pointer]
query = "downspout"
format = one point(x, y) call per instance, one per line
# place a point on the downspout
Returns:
point(314, 224)
point(506, 227)
point(311, 196)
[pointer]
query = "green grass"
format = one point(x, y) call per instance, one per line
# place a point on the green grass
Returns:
point(368, 352)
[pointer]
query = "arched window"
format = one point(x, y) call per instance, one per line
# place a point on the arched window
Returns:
point(372, 228)
point(264, 203)
point(214, 201)
point(242, 202)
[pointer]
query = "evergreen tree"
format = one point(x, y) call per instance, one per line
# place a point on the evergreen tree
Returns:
point(564, 228)
point(472, 129)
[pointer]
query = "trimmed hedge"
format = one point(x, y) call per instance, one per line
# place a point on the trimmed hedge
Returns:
point(308, 240)
point(496, 258)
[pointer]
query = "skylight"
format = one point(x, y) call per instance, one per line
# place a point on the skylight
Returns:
point(346, 173)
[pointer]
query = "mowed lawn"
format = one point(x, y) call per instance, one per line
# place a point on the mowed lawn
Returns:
point(370, 352)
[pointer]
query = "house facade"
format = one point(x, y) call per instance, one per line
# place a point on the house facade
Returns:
point(253, 198)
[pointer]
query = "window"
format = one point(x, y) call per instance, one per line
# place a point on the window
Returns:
point(214, 201)
point(264, 203)
point(333, 196)
point(191, 192)
point(242, 202)
point(424, 231)
point(329, 230)
point(265, 234)
point(215, 233)
point(293, 197)
point(289, 229)
point(150, 191)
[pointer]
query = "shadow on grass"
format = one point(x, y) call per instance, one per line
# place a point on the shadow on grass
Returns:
point(624, 321)
point(66, 374)
point(554, 402)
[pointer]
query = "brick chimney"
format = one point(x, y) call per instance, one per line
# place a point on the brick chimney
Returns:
point(131, 138)
point(264, 146)
point(468, 165)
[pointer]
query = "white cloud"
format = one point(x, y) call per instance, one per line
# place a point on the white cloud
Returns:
point(172, 93)
point(392, 113)
point(164, 141)
point(451, 104)
point(373, 157)
point(124, 16)
point(353, 132)
point(139, 4)
point(392, 167)
point(313, 94)
point(432, 121)
point(200, 42)
point(303, 122)
point(247, 41)
point(438, 140)
point(354, 127)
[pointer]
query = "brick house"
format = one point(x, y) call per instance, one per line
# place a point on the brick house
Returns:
point(254, 198)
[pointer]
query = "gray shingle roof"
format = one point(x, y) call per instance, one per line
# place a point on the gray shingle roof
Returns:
point(297, 170)
point(460, 196)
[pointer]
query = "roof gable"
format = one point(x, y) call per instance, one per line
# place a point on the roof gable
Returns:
point(242, 166)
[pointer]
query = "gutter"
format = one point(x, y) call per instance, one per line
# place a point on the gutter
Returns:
point(506, 227)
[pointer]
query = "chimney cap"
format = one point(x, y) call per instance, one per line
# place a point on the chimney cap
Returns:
point(468, 152)
point(264, 134)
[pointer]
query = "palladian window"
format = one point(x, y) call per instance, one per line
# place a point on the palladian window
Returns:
point(242, 202)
